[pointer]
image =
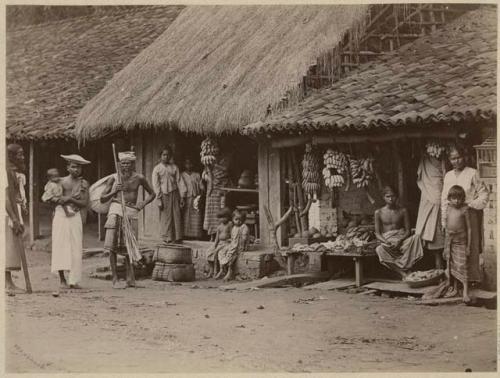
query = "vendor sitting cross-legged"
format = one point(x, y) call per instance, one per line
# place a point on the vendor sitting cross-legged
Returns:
point(397, 250)
point(131, 181)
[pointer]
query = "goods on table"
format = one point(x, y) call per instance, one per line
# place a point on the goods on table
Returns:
point(354, 238)
point(336, 166)
point(434, 149)
point(311, 177)
point(362, 172)
point(209, 152)
point(424, 278)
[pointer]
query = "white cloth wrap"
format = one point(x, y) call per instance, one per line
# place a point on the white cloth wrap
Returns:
point(67, 244)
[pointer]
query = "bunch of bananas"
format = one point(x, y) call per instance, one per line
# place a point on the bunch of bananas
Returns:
point(311, 178)
point(336, 160)
point(362, 171)
point(360, 234)
point(434, 149)
point(209, 151)
point(336, 164)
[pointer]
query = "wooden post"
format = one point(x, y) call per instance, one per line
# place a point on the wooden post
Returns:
point(358, 267)
point(400, 172)
point(263, 172)
point(101, 218)
point(34, 219)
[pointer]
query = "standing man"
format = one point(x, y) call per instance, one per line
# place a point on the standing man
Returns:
point(67, 231)
point(14, 228)
point(131, 181)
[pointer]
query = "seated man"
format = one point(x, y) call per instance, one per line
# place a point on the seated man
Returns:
point(397, 250)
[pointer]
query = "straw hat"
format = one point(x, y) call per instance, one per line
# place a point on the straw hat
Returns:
point(77, 159)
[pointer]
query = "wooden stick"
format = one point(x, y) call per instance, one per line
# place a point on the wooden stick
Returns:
point(300, 194)
point(24, 263)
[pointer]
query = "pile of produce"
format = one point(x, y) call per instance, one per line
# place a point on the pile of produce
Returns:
point(336, 166)
point(424, 275)
point(354, 237)
point(434, 149)
point(311, 177)
point(362, 172)
point(209, 152)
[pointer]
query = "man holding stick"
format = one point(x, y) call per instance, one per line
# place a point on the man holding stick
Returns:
point(115, 240)
point(14, 229)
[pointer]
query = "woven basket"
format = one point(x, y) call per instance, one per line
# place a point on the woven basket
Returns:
point(423, 283)
point(173, 272)
point(173, 254)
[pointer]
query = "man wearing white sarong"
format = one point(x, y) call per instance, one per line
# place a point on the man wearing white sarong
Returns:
point(67, 231)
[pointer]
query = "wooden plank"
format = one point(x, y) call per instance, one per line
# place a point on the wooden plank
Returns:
point(397, 287)
point(340, 283)
point(34, 205)
point(263, 173)
point(279, 281)
point(439, 301)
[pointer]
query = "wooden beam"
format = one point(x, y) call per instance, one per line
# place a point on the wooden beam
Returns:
point(101, 218)
point(400, 171)
point(290, 141)
point(339, 139)
point(263, 173)
point(34, 205)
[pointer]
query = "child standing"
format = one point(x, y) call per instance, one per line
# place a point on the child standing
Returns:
point(239, 243)
point(193, 223)
point(457, 241)
point(222, 239)
point(53, 191)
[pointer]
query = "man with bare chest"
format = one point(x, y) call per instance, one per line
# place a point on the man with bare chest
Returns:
point(397, 250)
point(129, 188)
point(67, 230)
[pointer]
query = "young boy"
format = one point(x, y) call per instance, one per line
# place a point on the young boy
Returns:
point(397, 250)
point(53, 191)
point(222, 239)
point(239, 243)
point(458, 241)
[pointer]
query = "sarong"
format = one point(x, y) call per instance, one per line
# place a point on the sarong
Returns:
point(455, 248)
point(114, 241)
point(170, 217)
point(13, 248)
point(67, 244)
point(239, 238)
point(192, 220)
point(476, 245)
point(410, 252)
point(212, 207)
point(213, 252)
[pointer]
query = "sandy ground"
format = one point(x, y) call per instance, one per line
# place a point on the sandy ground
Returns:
point(168, 328)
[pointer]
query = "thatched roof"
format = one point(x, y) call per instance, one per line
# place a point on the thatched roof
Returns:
point(54, 68)
point(447, 78)
point(217, 68)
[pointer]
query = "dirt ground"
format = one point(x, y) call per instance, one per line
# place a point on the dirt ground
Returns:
point(195, 327)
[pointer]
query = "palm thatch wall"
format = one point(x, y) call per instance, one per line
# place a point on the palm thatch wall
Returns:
point(216, 68)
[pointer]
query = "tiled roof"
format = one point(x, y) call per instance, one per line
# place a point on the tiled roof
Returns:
point(53, 69)
point(448, 76)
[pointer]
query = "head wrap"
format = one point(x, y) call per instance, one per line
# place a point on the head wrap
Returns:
point(126, 156)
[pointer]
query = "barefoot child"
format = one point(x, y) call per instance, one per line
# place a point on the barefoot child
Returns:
point(53, 191)
point(239, 243)
point(458, 241)
point(397, 250)
point(222, 239)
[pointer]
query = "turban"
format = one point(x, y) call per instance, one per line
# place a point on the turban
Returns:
point(126, 156)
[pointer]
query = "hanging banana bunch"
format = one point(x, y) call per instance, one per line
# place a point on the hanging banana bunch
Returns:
point(311, 176)
point(362, 172)
point(209, 151)
point(434, 149)
point(335, 169)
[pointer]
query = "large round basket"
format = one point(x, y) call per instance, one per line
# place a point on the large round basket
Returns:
point(173, 254)
point(423, 283)
point(173, 272)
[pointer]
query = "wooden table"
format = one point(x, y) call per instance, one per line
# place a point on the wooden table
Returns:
point(358, 259)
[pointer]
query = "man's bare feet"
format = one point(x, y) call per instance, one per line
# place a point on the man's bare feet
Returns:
point(63, 285)
point(466, 298)
point(118, 285)
point(219, 275)
point(450, 293)
point(75, 286)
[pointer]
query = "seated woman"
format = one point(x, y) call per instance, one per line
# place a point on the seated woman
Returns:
point(397, 250)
